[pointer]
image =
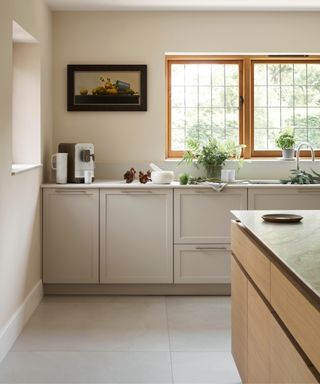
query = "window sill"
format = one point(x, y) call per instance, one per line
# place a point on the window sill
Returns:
point(20, 168)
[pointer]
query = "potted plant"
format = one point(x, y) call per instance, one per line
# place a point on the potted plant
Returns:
point(212, 155)
point(286, 141)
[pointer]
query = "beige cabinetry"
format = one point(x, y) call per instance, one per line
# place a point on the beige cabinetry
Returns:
point(202, 216)
point(275, 339)
point(70, 235)
point(136, 236)
point(292, 198)
point(202, 252)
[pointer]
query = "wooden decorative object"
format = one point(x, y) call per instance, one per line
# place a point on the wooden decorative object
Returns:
point(144, 177)
point(129, 176)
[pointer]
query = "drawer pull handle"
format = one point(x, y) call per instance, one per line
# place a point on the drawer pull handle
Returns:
point(141, 192)
point(211, 249)
point(209, 191)
point(308, 191)
point(70, 191)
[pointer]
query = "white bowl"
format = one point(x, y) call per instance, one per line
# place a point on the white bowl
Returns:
point(164, 177)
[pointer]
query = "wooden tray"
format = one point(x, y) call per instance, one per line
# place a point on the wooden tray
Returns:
point(282, 218)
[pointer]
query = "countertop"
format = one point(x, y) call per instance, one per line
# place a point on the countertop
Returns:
point(297, 245)
point(174, 184)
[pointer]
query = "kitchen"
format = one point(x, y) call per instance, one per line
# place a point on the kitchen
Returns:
point(121, 139)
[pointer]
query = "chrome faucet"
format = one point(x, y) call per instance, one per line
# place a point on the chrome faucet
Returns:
point(298, 152)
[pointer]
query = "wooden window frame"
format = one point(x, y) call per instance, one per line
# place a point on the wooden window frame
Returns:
point(246, 89)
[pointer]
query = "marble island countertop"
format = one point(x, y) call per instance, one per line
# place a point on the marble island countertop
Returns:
point(174, 184)
point(297, 245)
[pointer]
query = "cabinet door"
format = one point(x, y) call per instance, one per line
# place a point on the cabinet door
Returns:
point(202, 263)
point(288, 363)
point(70, 235)
point(136, 242)
point(203, 215)
point(302, 198)
point(259, 333)
point(239, 319)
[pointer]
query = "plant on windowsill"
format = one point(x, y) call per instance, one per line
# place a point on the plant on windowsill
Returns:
point(286, 141)
point(212, 155)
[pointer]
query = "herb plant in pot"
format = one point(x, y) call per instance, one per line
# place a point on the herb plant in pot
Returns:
point(286, 141)
point(212, 155)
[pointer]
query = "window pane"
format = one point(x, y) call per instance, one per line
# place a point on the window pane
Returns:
point(217, 96)
point(286, 96)
point(273, 74)
point(204, 118)
point(301, 135)
point(205, 74)
point(313, 117)
point(191, 74)
point(192, 117)
point(286, 117)
point(286, 74)
point(191, 96)
point(300, 74)
point(274, 117)
point(314, 96)
point(260, 96)
point(260, 117)
point(177, 95)
point(178, 139)
point(204, 97)
point(260, 139)
point(314, 138)
point(217, 74)
point(204, 102)
point(232, 134)
point(177, 74)
point(313, 74)
point(260, 74)
point(272, 134)
point(300, 96)
point(217, 118)
point(232, 97)
point(177, 117)
point(273, 96)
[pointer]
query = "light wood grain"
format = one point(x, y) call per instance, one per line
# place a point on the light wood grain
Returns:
point(259, 348)
point(239, 319)
point(288, 362)
point(299, 312)
point(255, 260)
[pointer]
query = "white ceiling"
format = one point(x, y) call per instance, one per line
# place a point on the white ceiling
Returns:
point(184, 5)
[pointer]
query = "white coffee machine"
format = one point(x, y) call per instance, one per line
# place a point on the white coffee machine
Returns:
point(80, 159)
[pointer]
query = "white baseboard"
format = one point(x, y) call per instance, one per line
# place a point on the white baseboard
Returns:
point(11, 331)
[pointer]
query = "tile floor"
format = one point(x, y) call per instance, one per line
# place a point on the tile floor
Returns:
point(124, 339)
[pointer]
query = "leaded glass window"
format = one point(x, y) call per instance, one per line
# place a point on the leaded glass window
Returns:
point(286, 95)
point(204, 102)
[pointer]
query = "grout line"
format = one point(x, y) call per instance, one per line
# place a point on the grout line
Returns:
point(165, 298)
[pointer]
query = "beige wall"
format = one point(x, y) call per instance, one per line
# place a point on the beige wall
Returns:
point(20, 203)
point(143, 38)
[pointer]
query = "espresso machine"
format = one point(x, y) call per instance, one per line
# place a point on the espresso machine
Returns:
point(80, 159)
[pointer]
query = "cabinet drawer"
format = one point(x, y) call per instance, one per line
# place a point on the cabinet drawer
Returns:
point(288, 362)
point(202, 263)
point(299, 312)
point(202, 215)
point(253, 258)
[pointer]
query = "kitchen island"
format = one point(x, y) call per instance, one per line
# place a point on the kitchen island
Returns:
point(275, 288)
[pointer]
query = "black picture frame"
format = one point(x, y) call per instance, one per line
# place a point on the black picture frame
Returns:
point(79, 75)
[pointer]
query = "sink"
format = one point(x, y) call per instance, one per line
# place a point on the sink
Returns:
point(264, 181)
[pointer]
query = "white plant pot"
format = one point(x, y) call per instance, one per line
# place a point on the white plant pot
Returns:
point(288, 153)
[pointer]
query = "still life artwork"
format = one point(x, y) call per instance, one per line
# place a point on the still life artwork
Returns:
point(107, 87)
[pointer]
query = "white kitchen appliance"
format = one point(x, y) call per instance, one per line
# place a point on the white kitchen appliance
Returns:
point(80, 159)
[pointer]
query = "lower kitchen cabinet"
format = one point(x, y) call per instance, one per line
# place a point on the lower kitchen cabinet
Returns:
point(70, 235)
point(302, 198)
point(202, 263)
point(136, 236)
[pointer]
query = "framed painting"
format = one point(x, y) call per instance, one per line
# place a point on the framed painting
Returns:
point(107, 87)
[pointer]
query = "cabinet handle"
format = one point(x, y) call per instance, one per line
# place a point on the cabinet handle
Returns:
point(141, 192)
point(210, 191)
point(210, 249)
point(308, 191)
point(70, 191)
